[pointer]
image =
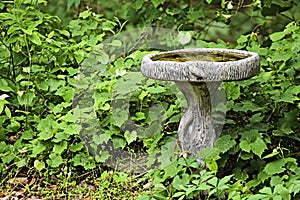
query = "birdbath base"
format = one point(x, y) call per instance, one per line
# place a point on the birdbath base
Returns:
point(196, 129)
point(193, 70)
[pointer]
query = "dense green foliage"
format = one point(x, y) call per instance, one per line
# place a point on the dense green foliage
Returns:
point(41, 58)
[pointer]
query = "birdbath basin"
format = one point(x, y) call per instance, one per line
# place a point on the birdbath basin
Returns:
point(193, 70)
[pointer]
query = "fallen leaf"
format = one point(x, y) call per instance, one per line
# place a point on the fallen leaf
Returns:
point(18, 180)
point(32, 181)
point(53, 187)
point(19, 193)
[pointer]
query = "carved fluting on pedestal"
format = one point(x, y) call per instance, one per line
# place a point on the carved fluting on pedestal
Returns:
point(196, 130)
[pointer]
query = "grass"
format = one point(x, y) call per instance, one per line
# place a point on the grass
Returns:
point(94, 184)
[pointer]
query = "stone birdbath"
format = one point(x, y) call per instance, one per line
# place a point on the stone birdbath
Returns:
point(194, 70)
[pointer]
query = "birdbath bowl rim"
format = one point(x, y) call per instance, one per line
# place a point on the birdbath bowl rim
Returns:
point(201, 65)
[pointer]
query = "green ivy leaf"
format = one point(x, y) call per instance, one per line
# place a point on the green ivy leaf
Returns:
point(179, 183)
point(258, 147)
point(252, 141)
point(36, 150)
point(85, 14)
point(130, 136)
point(156, 89)
point(55, 160)
point(119, 117)
point(69, 117)
point(45, 127)
point(76, 147)
point(278, 166)
point(157, 2)
point(59, 148)
point(225, 143)
point(119, 142)
point(101, 138)
point(39, 165)
point(60, 137)
point(171, 170)
point(102, 157)
point(209, 1)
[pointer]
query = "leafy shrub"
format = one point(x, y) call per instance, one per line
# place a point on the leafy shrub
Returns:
point(39, 59)
point(256, 156)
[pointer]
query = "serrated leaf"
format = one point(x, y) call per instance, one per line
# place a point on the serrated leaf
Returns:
point(247, 106)
point(245, 146)
point(128, 83)
point(179, 183)
point(225, 143)
point(45, 135)
point(252, 141)
point(275, 167)
point(209, 153)
point(224, 180)
point(275, 180)
point(60, 137)
point(242, 39)
point(266, 190)
point(258, 147)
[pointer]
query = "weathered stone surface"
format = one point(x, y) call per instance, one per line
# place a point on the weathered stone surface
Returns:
point(192, 70)
point(201, 70)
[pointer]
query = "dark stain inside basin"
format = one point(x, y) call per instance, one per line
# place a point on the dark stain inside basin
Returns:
point(199, 56)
